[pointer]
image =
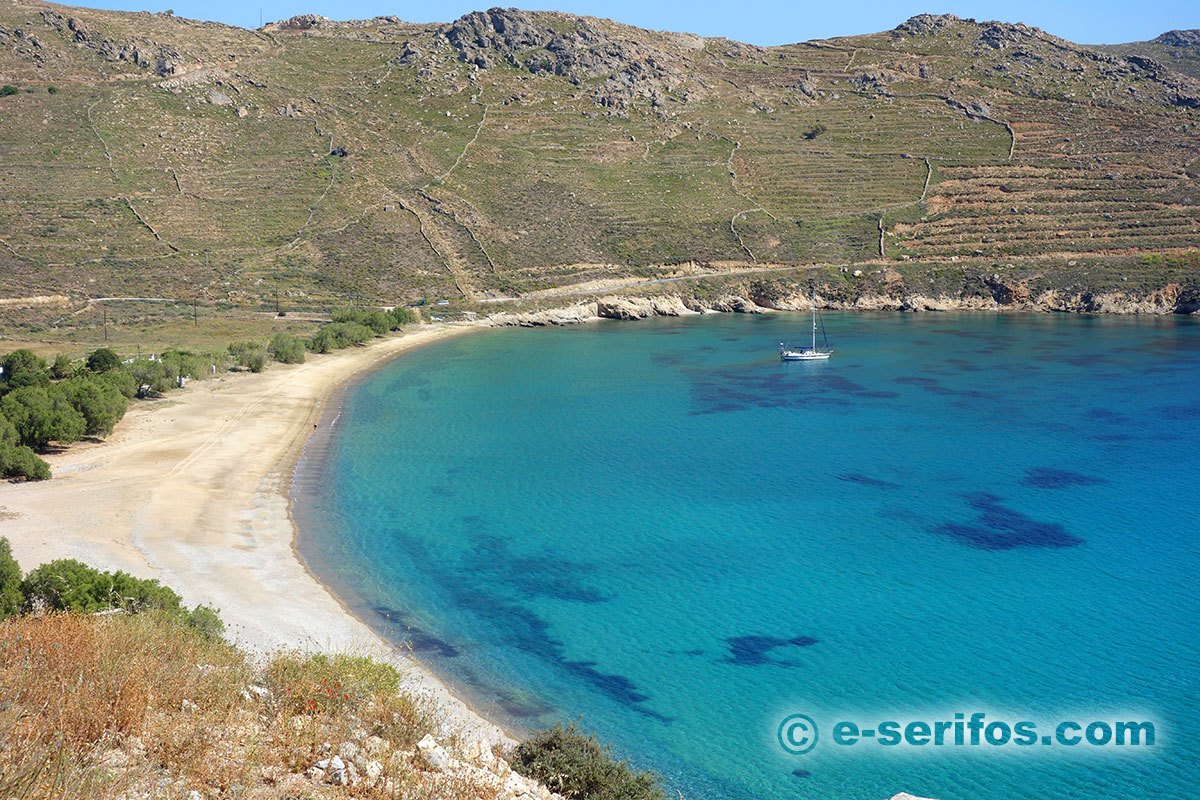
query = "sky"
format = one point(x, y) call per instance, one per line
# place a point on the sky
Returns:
point(761, 22)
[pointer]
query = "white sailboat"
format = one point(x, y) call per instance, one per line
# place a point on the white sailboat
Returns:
point(808, 353)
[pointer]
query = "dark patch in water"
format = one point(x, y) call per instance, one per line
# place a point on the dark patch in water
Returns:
point(1049, 478)
point(441, 491)
point(867, 480)
point(802, 773)
point(964, 365)
point(419, 640)
point(667, 359)
point(998, 527)
point(1183, 413)
point(777, 386)
point(731, 339)
point(751, 651)
point(932, 386)
point(1104, 415)
point(545, 575)
point(706, 348)
point(520, 708)
point(922, 343)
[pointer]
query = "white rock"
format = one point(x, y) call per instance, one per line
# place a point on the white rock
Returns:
point(348, 750)
point(187, 707)
point(433, 754)
point(376, 747)
point(372, 770)
point(194, 795)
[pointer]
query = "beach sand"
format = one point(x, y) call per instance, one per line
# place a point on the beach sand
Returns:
point(192, 490)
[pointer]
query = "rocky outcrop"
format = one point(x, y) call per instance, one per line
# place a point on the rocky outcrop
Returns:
point(886, 292)
point(163, 59)
point(576, 48)
point(1188, 38)
point(630, 307)
point(371, 762)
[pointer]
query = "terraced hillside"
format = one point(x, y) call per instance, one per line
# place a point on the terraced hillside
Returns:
point(515, 151)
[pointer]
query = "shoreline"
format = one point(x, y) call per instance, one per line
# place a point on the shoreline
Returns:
point(195, 490)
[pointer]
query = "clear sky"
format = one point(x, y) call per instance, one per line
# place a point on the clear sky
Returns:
point(763, 22)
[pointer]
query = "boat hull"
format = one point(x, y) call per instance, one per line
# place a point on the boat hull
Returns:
point(793, 356)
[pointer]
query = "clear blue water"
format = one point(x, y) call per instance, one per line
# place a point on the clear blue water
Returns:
point(955, 513)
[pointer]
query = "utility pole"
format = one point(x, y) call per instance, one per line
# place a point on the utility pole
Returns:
point(277, 302)
point(195, 314)
point(105, 311)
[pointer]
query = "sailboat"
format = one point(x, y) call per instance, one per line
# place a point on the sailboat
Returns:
point(804, 353)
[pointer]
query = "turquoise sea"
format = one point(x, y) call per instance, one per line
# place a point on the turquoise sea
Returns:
point(660, 530)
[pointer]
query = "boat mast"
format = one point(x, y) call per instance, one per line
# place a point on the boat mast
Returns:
point(814, 320)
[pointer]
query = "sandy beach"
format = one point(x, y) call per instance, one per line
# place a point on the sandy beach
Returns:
point(192, 489)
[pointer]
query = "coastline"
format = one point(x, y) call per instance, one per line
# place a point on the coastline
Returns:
point(195, 491)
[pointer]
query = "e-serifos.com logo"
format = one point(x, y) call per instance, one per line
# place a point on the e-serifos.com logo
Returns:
point(799, 733)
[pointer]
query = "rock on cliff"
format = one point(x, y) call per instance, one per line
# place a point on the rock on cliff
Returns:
point(579, 49)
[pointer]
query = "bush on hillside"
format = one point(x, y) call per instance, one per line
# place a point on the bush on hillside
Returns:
point(8, 89)
point(22, 368)
point(579, 767)
point(249, 355)
point(286, 349)
point(101, 404)
point(336, 335)
point(70, 585)
point(11, 599)
point(63, 367)
point(41, 416)
point(103, 360)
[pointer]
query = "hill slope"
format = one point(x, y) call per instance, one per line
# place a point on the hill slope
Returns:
point(512, 151)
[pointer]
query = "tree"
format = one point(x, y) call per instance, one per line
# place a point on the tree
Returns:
point(70, 585)
point(286, 349)
point(8, 89)
point(40, 417)
point(102, 405)
point(579, 767)
point(103, 360)
point(11, 598)
point(249, 355)
point(23, 368)
point(62, 367)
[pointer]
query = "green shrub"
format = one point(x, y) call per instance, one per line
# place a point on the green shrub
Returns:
point(579, 767)
point(336, 335)
point(69, 585)
point(19, 461)
point(63, 367)
point(206, 620)
point(103, 360)
point(52, 89)
point(402, 316)
point(286, 349)
point(11, 599)
point(815, 131)
point(42, 415)
point(23, 368)
point(120, 381)
point(249, 355)
point(101, 404)
point(8, 89)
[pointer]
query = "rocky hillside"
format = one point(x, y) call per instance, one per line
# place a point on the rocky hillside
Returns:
point(511, 152)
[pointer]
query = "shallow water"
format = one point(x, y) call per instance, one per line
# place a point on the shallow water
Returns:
point(662, 529)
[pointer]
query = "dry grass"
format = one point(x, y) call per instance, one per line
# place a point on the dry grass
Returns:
point(138, 707)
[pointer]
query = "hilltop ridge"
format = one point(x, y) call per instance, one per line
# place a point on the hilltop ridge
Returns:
point(514, 151)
